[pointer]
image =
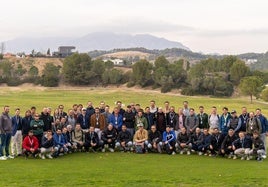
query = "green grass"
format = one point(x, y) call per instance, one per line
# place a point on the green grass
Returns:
point(129, 169)
point(124, 169)
point(54, 97)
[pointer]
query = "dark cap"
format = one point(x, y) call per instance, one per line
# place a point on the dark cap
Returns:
point(233, 112)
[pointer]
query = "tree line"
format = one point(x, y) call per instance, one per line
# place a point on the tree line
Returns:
point(212, 76)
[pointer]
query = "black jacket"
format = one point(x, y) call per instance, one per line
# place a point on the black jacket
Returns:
point(109, 134)
point(228, 141)
point(91, 137)
point(245, 143)
point(129, 119)
point(124, 136)
point(183, 138)
point(154, 137)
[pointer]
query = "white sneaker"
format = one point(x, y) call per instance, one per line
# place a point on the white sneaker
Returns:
point(49, 156)
point(188, 152)
point(242, 158)
point(2, 158)
point(200, 153)
point(103, 150)
point(229, 156)
point(43, 157)
point(235, 157)
point(181, 152)
point(111, 150)
point(263, 156)
point(173, 153)
point(10, 157)
point(248, 158)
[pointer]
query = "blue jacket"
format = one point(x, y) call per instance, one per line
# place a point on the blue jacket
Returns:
point(119, 121)
point(264, 123)
point(224, 123)
point(206, 140)
point(245, 143)
point(150, 119)
point(83, 121)
point(59, 140)
point(16, 124)
point(170, 137)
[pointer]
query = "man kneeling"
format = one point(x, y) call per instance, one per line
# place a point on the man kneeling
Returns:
point(30, 145)
point(47, 145)
point(124, 140)
point(92, 140)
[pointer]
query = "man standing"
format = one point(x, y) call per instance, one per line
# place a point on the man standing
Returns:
point(243, 118)
point(47, 119)
point(16, 139)
point(98, 121)
point(5, 133)
point(234, 122)
point(253, 124)
point(116, 119)
point(37, 126)
point(264, 126)
point(203, 119)
point(225, 121)
point(191, 122)
point(213, 119)
point(83, 120)
point(172, 118)
point(140, 119)
point(129, 120)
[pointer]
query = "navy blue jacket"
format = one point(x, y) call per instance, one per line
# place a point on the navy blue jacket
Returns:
point(83, 121)
point(16, 124)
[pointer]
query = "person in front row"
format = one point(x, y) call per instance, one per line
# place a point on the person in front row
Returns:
point(78, 137)
point(169, 141)
point(140, 139)
point(47, 145)
point(30, 145)
point(242, 146)
point(258, 147)
point(92, 140)
point(108, 136)
point(124, 138)
point(155, 140)
point(184, 141)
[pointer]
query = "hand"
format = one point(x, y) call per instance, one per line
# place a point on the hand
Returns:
point(222, 151)
point(211, 147)
point(166, 142)
point(109, 140)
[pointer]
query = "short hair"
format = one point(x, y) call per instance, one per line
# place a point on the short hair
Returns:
point(258, 109)
point(166, 102)
point(225, 108)
point(214, 107)
point(33, 107)
point(185, 102)
point(192, 109)
point(17, 109)
point(152, 101)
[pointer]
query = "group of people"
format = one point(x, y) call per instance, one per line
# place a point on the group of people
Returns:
point(154, 129)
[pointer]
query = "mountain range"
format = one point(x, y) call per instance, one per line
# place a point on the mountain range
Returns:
point(93, 41)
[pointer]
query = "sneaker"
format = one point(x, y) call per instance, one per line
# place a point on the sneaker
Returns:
point(111, 150)
point(43, 157)
point(200, 153)
point(242, 158)
point(181, 152)
point(248, 158)
point(49, 156)
point(234, 157)
point(10, 157)
point(188, 152)
point(103, 150)
point(263, 156)
point(229, 156)
point(2, 158)
point(173, 153)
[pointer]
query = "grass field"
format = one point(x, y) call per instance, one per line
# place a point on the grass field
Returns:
point(126, 169)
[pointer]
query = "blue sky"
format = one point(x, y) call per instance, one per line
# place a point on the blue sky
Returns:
point(226, 27)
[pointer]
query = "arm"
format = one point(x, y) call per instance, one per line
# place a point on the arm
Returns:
point(239, 125)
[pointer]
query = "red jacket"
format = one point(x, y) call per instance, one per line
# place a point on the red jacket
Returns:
point(29, 143)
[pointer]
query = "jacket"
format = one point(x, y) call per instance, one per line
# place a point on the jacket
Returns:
point(169, 136)
point(129, 119)
point(92, 137)
point(140, 135)
point(16, 124)
point(124, 136)
point(37, 127)
point(83, 121)
point(183, 138)
point(5, 124)
point(161, 121)
point(109, 134)
point(29, 143)
point(228, 141)
point(47, 119)
point(100, 123)
point(197, 139)
point(242, 143)
point(26, 121)
point(224, 123)
point(191, 122)
point(59, 140)
point(203, 120)
point(45, 143)
point(216, 140)
point(117, 122)
point(154, 137)
point(258, 143)
point(253, 124)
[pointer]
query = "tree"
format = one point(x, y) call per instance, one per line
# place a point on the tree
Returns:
point(77, 69)
point(109, 64)
point(238, 70)
point(48, 52)
point(142, 72)
point(161, 62)
point(264, 94)
point(252, 86)
point(50, 75)
point(33, 71)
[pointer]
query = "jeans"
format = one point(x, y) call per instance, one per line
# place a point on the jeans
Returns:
point(5, 141)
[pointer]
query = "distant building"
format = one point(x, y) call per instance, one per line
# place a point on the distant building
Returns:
point(64, 51)
point(250, 61)
point(117, 61)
